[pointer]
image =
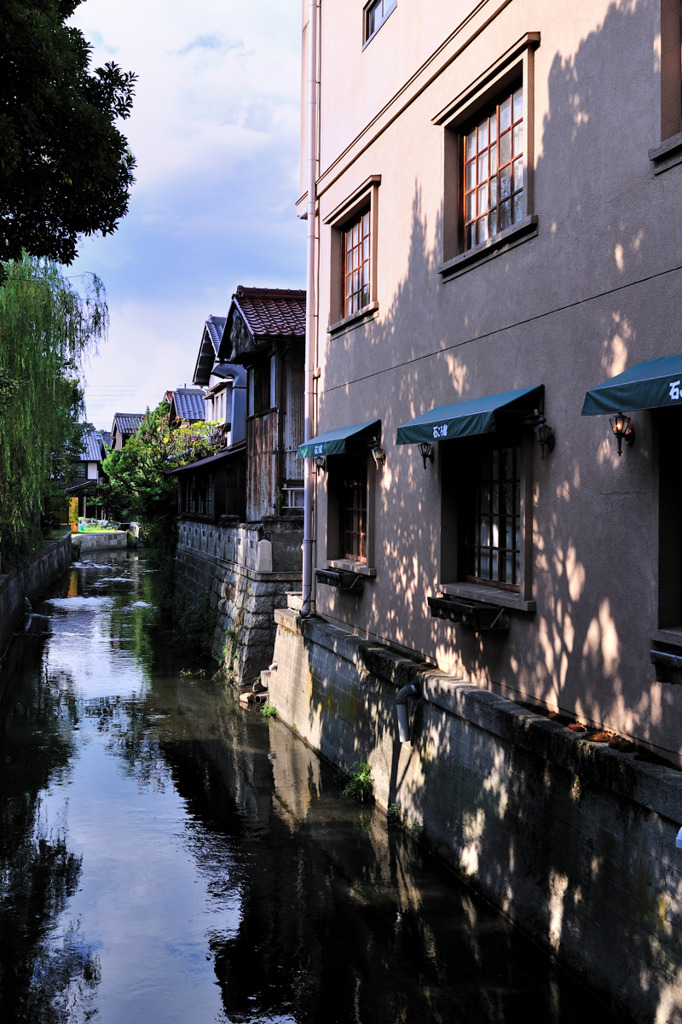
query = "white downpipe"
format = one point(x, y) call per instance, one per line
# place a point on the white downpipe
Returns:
point(309, 478)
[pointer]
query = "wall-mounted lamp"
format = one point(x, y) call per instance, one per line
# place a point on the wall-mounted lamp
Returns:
point(623, 430)
point(379, 455)
point(320, 462)
point(544, 434)
point(426, 451)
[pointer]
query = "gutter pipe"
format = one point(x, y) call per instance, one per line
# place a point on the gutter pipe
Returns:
point(401, 707)
point(309, 477)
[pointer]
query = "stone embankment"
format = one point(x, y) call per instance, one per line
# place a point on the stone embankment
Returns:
point(31, 582)
point(574, 839)
point(246, 570)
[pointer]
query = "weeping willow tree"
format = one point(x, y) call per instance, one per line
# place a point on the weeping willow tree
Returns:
point(46, 328)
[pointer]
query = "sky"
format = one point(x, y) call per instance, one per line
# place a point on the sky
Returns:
point(215, 131)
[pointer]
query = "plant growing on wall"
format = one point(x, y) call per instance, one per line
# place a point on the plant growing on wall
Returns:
point(359, 783)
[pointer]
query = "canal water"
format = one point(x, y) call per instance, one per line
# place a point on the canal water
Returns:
point(167, 856)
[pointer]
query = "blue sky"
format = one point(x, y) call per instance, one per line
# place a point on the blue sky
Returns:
point(215, 131)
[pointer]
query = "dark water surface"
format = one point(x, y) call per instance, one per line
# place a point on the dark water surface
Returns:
point(168, 857)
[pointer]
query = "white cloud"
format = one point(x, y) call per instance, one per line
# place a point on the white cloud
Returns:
point(215, 131)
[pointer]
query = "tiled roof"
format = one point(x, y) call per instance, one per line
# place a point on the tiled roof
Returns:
point(127, 422)
point(189, 405)
point(208, 349)
point(215, 325)
point(92, 447)
point(272, 311)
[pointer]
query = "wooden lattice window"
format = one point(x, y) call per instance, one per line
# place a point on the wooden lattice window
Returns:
point(494, 170)
point(493, 541)
point(357, 263)
point(353, 518)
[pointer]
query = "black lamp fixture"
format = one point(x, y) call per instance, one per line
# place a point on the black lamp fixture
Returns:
point(426, 451)
point(320, 462)
point(544, 434)
point(378, 454)
point(623, 430)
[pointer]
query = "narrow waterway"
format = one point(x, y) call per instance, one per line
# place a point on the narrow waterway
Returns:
point(167, 856)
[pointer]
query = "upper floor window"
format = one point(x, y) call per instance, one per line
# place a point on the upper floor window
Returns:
point(353, 255)
point(261, 380)
point(357, 264)
point(488, 201)
point(375, 14)
point(669, 152)
point(493, 170)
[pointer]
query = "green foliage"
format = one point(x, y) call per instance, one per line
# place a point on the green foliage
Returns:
point(138, 485)
point(46, 327)
point(65, 170)
point(268, 710)
point(196, 625)
point(359, 783)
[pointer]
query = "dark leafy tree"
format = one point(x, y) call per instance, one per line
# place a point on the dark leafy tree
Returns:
point(65, 168)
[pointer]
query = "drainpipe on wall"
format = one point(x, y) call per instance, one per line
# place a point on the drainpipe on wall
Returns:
point(401, 707)
point(309, 478)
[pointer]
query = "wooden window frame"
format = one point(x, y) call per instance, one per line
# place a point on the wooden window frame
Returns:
point(514, 69)
point(363, 200)
point(357, 258)
point(669, 152)
point(493, 173)
point(492, 536)
point(350, 512)
point(459, 468)
point(262, 386)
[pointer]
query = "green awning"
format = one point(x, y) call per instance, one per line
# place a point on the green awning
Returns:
point(464, 419)
point(333, 442)
point(649, 385)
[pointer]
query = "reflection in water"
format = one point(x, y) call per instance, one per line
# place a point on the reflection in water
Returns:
point(168, 856)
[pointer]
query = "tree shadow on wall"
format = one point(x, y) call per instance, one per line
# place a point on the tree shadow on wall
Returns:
point(570, 332)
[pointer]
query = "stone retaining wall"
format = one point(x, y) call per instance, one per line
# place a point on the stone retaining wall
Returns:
point(85, 542)
point(31, 582)
point(248, 572)
point(572, 838)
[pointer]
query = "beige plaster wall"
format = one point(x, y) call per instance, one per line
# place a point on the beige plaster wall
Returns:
point(595, 290)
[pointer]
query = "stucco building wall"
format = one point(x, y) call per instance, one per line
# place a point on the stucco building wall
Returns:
point(592, 286)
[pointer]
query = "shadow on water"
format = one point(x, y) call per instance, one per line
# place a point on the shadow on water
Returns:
point(167, 856)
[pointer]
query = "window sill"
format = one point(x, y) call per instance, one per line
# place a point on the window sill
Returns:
point(672, 635)
point(668, 154)
point(506, 240)
point(488, 595)
point(366, 313)
point(348, 565)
